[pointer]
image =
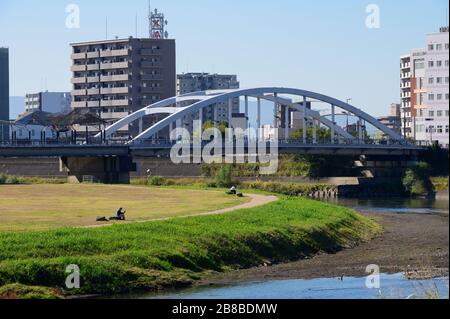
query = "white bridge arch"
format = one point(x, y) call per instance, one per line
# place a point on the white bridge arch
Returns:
point(204, 99)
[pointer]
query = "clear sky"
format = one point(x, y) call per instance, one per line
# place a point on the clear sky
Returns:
point(320, 45)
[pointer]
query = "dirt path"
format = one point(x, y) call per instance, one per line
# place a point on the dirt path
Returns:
point(414, 243)
point(255, 201)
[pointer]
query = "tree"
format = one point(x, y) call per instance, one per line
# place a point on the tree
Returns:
point(323, 134)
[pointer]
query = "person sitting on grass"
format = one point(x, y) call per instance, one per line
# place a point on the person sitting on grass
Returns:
point(121, 214)
point(233, 190)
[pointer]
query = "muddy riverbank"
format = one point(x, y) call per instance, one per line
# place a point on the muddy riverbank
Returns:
point(417, 244)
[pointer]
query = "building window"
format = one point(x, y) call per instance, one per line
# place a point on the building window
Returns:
point(439, 113)
point(446, 46)
point(439, 47)
point(431, 113)
point(430, 80)
point(439, 97)
point(446, 129)
point(446, 63)
point(438, 80)
point(446, 113)
point(439, 129)
point(430, 97)
point(446, 80)
point(438, 63)
point(430, 47)
point(430, 64)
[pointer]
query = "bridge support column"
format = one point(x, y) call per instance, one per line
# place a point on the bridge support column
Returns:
point(286, 123)
point(275, 111)
point(333, 119)
point(106, 169)
point(258, 120)
point(246, 113)
point(314, 131)
point(230, 113)
point(304, 122)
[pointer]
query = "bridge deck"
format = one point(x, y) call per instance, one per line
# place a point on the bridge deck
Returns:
point(153, 150)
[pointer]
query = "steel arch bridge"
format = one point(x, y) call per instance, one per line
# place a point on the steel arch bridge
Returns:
point(174, 112)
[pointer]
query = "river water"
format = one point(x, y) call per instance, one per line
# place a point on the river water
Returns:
point(391, 285)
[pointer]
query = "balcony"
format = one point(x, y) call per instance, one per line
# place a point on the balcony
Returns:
point(78, 68)
point(78, 104)
point(114, 115)
point(93, 91)
point(405, 75)
point(119, 90)
point(406, 65)
point(93, 55)
point(114, 78)
point(93, 67)
point(78, 92)
point(406, 85)
point(106, 103)
point(78, 56)
point(114, 65)
point(406, 95)
point(79, 80)
point(111, 53)
point(93, 103)
point(92, 79)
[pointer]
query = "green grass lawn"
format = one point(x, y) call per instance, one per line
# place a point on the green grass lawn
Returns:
point(41, 207)
point(173, 253)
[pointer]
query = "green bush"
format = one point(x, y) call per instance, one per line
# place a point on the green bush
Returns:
point(224, 176)
point(417, 180)
point(291, 189)
point(156, 181)
point(8, 179)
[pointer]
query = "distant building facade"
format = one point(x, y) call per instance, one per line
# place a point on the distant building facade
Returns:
point(51, 102)
point(4, 93)
point(117, 77)
point(393, 120)
point(425, 91)
point(193, 82)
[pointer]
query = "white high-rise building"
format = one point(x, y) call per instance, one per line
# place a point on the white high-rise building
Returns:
point(425, 91)
point(51, 102)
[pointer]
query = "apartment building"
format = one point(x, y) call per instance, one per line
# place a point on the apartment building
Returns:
point(192, 82)
point(117, 77)
point(51, 102)
point(425, 91)
point(4, 93)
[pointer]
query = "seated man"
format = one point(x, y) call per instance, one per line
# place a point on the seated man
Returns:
point(233, 190)
point(121, 214)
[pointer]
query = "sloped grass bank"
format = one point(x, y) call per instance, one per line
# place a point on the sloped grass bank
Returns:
point(174, 253)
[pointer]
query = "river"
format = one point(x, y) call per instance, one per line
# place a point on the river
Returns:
point(391, 285)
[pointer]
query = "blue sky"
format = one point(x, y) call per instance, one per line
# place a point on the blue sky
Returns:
point(320, 45)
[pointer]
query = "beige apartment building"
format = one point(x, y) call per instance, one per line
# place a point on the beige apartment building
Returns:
point(114, 78)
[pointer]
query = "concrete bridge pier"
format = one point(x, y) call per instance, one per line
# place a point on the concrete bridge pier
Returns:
point(99, 169)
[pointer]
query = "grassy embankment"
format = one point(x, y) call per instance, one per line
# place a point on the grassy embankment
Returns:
point(43, 207)
point(174, 253)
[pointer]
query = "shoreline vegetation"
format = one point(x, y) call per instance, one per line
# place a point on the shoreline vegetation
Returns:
point(175, 253)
